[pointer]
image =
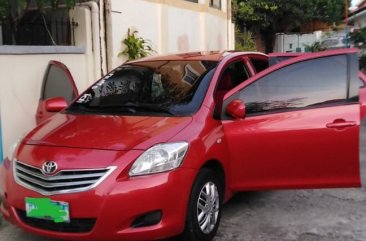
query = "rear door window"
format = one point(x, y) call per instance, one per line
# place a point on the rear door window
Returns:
point(259, 64)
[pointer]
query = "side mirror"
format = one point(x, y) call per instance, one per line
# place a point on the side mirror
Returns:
point(55, 104)
point(236, 109)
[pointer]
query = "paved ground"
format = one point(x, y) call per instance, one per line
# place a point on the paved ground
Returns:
point(310, 215)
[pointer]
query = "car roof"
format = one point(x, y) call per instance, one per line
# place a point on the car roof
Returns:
point(201, 56)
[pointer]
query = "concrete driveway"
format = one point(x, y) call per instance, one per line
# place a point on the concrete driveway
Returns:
point(305, 215)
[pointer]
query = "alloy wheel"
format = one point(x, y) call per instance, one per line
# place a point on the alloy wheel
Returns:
point(208, 207)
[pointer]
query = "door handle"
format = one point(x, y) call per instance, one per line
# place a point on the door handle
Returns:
point(341, 124)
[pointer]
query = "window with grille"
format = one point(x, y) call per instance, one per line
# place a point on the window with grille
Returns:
point(215, 4)
point(26, 24)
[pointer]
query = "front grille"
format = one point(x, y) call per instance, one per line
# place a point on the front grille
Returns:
point(81, 225)
point(65, 181)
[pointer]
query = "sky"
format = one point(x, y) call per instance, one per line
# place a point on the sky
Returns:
point(354, 2)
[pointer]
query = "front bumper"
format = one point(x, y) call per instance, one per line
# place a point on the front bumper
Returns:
point(114, 205)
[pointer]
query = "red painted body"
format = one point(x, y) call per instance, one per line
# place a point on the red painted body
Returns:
point(56, 104)
point(310, 148)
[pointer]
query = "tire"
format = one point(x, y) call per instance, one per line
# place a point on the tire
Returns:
point(204, 207)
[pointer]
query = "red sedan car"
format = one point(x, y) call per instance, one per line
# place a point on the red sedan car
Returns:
point(156, 147)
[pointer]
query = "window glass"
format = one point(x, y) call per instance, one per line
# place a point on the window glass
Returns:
point(58, 84)
point(310, 83)
point(232, 76)
point(149, 88)
point(259, 64)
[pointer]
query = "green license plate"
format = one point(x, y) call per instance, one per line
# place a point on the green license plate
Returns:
point(45, 208)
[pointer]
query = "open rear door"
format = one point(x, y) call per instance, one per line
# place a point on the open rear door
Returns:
point(57, 82)
point(301, 126)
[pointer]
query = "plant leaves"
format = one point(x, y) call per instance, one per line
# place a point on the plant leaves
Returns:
point(135, 47)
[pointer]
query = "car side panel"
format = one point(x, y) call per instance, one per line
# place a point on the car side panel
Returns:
point(291, 150)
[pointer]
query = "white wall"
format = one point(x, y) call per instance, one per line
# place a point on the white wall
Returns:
point(216, 33)
point(137, 15)
point(290, 42)
point(182, 29)
point(172, 26)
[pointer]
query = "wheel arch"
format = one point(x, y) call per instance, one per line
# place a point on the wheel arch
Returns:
point(216, 166)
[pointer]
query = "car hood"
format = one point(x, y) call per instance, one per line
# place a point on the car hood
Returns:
point(106, 132)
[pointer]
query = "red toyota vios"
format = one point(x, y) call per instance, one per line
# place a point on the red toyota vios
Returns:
point(153, 149)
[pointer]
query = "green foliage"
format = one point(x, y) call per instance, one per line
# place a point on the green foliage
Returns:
point(253, 13)
point(330, 11)
point(267, 17)
point(358, 38)
point(135, 47)
point(244, 41)
point(315, 47)
point(286, 13)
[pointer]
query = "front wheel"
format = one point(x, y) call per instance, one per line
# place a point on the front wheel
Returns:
point(204, 208)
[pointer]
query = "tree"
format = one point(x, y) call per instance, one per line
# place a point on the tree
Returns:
point(267, 17)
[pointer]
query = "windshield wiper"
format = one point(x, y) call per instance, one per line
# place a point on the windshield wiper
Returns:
point(149, 107)
point(127, 108)
point(102, 109)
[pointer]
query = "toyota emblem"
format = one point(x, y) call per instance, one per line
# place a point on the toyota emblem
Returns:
point(49, 168)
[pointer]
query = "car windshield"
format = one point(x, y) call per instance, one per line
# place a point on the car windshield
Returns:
point(173, 88)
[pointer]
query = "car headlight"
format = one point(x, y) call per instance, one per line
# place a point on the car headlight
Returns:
point(160, 158)
point(13, 148)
